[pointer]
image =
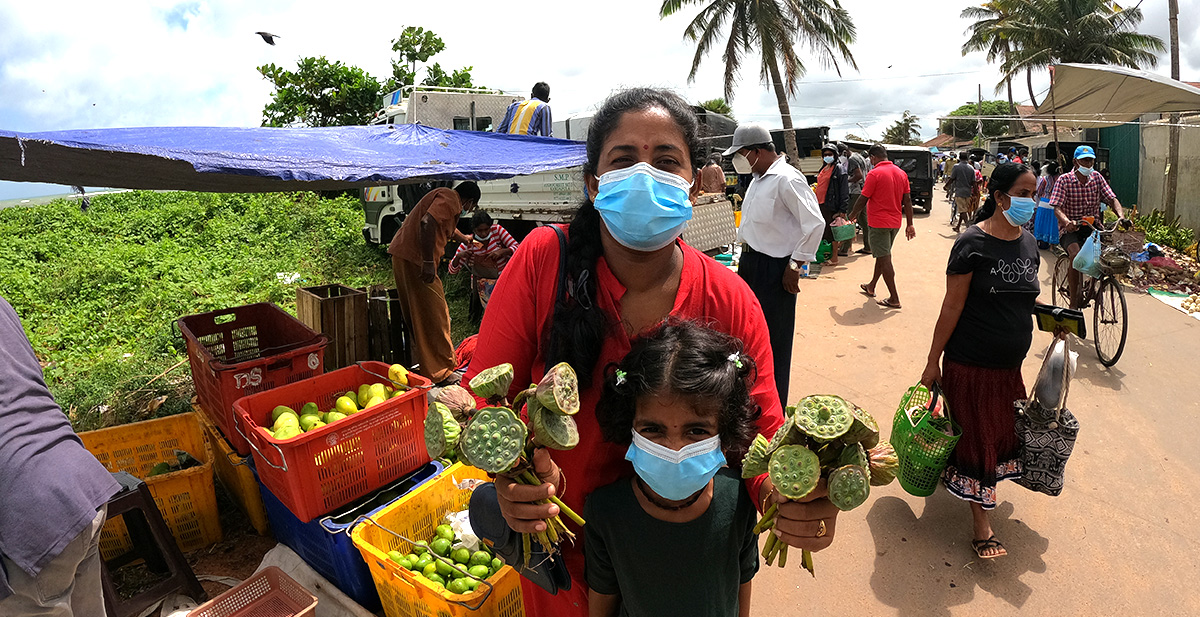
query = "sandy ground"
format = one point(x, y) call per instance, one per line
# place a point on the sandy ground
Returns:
point(1122, 537)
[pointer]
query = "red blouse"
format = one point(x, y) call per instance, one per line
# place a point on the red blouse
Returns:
point(512, 328)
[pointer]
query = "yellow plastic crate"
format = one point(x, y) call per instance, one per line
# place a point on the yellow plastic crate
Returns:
point(235, 475)
point(187, 498)
point(415, 516)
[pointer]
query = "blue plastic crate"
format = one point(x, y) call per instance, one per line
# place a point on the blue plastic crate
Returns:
point(325, 545)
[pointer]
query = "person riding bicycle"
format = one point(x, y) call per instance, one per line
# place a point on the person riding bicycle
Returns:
point(1076, 197)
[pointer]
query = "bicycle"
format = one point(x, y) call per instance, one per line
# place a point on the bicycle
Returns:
point(1110, 320)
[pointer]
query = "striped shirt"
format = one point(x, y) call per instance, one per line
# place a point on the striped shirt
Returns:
point(1079, 200)
point(529, 117)
point(466, 255)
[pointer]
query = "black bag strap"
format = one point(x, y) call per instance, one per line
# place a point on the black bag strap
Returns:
point(560, 293)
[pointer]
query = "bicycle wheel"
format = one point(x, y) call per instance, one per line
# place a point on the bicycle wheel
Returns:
point(1059, 286)
point(1110, 323)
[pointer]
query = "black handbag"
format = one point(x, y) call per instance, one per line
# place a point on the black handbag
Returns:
point(1047, 430)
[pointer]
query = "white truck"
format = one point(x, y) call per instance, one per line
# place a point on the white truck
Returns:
point(522, 202)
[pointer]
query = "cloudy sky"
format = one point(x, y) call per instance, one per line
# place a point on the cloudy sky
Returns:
point(85, 64)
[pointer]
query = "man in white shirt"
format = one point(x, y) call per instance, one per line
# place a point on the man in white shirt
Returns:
point(780, 231)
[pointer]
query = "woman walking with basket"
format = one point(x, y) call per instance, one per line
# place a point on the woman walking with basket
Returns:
point(984, 333)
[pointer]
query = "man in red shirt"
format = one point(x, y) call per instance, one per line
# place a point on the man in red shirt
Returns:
point(885, 194)
point(416, 250)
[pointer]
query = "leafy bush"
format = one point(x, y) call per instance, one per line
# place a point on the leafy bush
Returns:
point(99, 291)
point(1165, 233)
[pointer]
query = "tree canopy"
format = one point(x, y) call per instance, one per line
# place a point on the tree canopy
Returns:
point(718, 105)
point(905, 132)
point(418, 45)
point(320, 93)
point(968, 128)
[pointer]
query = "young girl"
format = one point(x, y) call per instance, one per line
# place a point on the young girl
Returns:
point(676, 538)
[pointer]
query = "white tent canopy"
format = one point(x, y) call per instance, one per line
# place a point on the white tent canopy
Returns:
point(1093, 95)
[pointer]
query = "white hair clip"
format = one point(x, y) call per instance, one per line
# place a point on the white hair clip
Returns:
point(736, 359)
point(620, 377)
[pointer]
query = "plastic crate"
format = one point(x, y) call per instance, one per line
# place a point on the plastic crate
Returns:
point(325, 544)
point(415, 516)
point(239, 351)
point(267, 593)
point(186, 498)
point(235, 474)
point(324, 469)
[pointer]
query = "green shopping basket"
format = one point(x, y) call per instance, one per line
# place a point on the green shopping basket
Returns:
point(922, 448)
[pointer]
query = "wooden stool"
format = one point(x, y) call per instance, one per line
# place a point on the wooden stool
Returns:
point(153, 542)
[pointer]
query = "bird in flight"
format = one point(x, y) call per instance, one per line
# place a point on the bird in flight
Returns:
point(268, 38)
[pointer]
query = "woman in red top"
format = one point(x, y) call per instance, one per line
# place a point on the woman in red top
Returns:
point(616, 292)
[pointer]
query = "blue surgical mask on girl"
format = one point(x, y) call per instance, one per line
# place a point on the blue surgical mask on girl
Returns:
point(675, 474)
point(1020, 210)
point(828, 160)
point(644, 208)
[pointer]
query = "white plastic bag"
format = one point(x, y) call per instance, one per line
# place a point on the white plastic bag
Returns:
point(1088, 259)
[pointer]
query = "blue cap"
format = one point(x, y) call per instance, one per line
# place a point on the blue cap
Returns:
point(1085, 152)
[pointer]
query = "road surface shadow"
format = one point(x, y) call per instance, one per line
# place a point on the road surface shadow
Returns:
point(869, 313)
point(925, 566)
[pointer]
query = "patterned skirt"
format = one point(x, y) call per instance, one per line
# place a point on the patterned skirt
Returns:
point(981, 401)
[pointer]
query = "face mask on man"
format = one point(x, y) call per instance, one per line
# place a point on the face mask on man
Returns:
point(1086, 171)
point(644, 208)
point(741, 164)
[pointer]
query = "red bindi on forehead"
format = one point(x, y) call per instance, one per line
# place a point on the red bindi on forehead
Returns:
point(645, 147)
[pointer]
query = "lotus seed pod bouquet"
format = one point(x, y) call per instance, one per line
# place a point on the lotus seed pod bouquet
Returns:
point(496, 439)
point(822, 436)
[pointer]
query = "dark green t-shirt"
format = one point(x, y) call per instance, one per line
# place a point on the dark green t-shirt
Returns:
point(660, 568)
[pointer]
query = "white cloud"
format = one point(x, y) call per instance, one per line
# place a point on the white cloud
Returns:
point(83, 64)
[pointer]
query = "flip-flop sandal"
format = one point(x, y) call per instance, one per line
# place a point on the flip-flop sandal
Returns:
point(862, 252)
point(866, 292)
point(888, 304)
point(982, 545)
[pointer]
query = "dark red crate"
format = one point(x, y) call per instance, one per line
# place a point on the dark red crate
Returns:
point(246, 349)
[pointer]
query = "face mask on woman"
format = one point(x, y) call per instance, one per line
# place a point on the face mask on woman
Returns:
point(828, 160)
point(676, 474)
point(644, 208)
point(1020, 210)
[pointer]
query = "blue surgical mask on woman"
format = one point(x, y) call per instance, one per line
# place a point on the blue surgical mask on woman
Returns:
point(1020, 210)
point(644, 208)
point(676, 474)
point(828, 160)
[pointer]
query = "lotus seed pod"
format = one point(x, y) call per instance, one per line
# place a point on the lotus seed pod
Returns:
point(559, 390)
point(824, 417)
point(494, 439)
point(853, 455)
point(441, 431)
point(849, 487)
point(493, 383)
point(794, 471)
point(864, 429)
point(458, 400)
point(786, 435)
point(883, 464)
point(552, 430)
point(755, 462)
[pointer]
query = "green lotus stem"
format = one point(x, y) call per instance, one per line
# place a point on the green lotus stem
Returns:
point(527, 546)
point(768, 519)
point(806, 560)
point(769, 548)
point(783, 555)
point(568, 511)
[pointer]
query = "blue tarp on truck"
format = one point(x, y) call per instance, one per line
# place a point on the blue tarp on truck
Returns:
point(244, 160)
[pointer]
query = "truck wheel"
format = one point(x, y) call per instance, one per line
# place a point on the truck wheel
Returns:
point(387, 230)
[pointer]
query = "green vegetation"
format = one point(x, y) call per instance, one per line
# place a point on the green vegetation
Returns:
point(99, 291)
point(906, 131)
point(1165, 233)
point(965, 128)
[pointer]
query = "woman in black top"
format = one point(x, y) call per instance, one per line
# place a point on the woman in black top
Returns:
point(984, 332)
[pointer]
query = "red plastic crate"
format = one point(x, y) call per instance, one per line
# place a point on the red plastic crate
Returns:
point(331, 466)
point(239, 351)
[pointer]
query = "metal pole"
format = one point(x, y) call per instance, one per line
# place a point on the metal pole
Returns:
point(1173, 141)
point(1058, 155)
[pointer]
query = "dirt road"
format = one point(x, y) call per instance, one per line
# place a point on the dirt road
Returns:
point(1121, 539)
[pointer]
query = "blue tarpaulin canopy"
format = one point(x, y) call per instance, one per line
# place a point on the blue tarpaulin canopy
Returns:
point(240, 160)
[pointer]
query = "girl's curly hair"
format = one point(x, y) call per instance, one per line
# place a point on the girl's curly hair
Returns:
point(687, 359)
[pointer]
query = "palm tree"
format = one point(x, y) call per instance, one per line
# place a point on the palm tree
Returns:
point(720, 106)
point(905, 132)
point(985, 36)
point(1046, 32)
point(773, 28)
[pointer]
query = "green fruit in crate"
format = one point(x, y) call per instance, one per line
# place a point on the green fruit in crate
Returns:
point(550, 429)
point(443, 568)
point(280, 410)
point(479, 558)
point(559, 390)
point(310, 409)
point(471, 583)
point(883, 464)
point(377, 390)
point(437, 578)
point(288, 432)
point(493, 383)
point(423, 562)
point(479, 571)
point(444, 531)
point(430, 568)
point(497, 563)
point(158, 469)
point(460, 571)
point(375, 400)
point(334, 416)
point(461, 555)
point(307, 422)
point(824, 417)
point(441, 433)
point(794, 471)
point(363, 395)
point(345, 405)
point(853, 455)
point(849, 487)
point(441, 546)
point(420, 547)
point(395, 556)
point(755, 462)
point(457, 586)
point(286, 419)
point(352, 395)
point(317, 426)
point(398, 375)
point(493, 440)
point(864, 430)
